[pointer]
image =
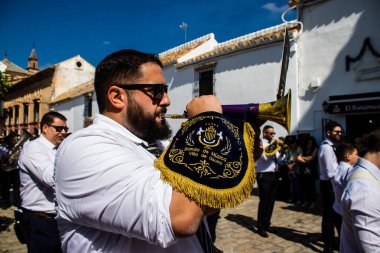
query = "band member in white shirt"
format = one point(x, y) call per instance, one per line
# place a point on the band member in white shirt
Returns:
point(36, 163)
point(110, 196)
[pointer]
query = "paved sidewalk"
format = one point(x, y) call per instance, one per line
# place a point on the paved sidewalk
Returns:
point(298, 230)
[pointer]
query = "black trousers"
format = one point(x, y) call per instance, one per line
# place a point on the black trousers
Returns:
point(212, 220)
point(330, 218)
point(42, 234)
point(308, 187)
point(267, 183)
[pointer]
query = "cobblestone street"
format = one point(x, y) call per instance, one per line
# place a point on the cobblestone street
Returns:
point(298, 230)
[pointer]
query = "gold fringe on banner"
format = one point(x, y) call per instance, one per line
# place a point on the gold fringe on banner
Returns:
point(204, 195)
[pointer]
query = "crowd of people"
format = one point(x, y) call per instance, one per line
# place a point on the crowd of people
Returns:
point(99, 190)
point(297, 170)
point(349, 183)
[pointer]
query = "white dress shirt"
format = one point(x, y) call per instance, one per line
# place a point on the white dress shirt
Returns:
point(110, 197)
point(338, 184)
point(327, 160)
point(361, 211)
point(36, 163)
point(267, 163)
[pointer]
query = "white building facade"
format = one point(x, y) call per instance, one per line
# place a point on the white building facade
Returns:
point(324, 85)
point(334, 31)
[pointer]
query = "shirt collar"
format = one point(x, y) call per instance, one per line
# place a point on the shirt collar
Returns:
point(329, 141)
point(373, 169)
point(114, 126)
point(46, 142)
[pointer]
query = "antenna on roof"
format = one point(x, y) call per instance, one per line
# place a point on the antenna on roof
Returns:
point(183, 26)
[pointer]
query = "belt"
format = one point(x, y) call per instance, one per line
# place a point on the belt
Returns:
point(41, 214)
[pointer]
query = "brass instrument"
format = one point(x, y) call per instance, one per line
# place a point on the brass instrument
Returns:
point(13, 154)
point(278, 111)
point(274, 146)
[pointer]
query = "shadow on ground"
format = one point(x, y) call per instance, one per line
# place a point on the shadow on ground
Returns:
point(308, 240)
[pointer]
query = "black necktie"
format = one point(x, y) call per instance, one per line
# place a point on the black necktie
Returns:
point(205, 240)
point(153, 149)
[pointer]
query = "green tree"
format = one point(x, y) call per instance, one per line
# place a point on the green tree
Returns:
point(3, 86)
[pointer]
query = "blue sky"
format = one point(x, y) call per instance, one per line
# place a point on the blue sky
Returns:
point(62, 29)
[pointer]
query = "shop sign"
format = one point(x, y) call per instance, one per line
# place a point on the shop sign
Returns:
point(354, 107)
point(368, 70)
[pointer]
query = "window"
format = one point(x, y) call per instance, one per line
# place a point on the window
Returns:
point(204, 84)
point(36, 110)
point(26, 113)
point(5, 113)
point(79, 65)
point(17, 112)
point(87, 113)
point(88, 106)
point(10, 117)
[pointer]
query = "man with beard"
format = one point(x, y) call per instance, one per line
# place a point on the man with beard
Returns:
point(36, 164)
point(327, 165)
point(110, 197)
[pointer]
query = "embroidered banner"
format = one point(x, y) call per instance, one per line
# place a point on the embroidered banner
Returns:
point(210, 160)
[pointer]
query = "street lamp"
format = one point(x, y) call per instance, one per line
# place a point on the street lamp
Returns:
point(183, 26)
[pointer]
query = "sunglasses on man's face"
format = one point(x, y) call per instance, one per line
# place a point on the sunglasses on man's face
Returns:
point(157, 89)
point(59, 128)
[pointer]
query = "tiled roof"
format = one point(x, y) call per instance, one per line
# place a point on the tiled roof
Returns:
point(256, 39)
point(48, 72)
point(75, 92)
point(171, 56)
point(11, 67)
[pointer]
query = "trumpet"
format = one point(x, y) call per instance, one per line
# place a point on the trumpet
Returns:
point(278, 111)
point(274, 146)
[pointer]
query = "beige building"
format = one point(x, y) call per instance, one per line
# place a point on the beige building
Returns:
point(29, 99)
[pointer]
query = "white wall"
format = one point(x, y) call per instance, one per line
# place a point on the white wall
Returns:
point(250, 76)
point(73, 110)
point(332, 30)
point(68, 75)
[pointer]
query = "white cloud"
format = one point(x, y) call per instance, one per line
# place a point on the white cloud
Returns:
point(106, 42)
point(272, 7)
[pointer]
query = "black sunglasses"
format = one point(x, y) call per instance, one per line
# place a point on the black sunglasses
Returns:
point(158, 89)
point(59, 128)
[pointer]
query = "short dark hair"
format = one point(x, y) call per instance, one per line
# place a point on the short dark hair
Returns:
point(49, 117)
point(331, 125)
point(121, 67)
point(342, 150)
point(312, 139)
point(267, 127)
point(373, 141)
